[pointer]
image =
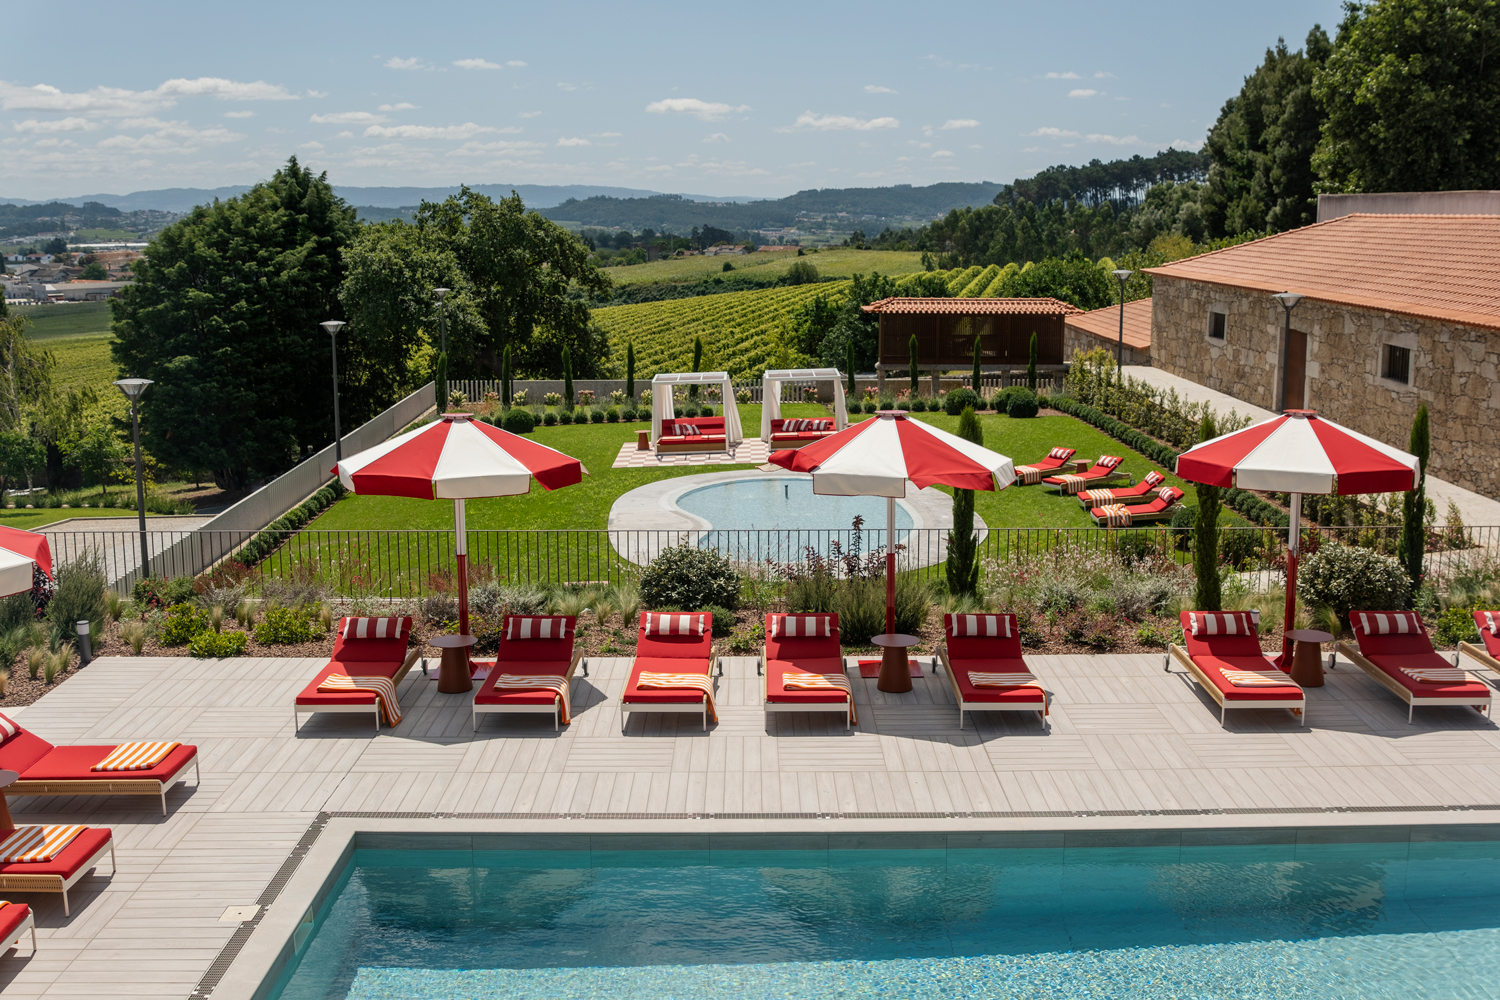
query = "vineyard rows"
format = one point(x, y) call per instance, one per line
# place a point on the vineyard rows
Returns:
point(739, 329)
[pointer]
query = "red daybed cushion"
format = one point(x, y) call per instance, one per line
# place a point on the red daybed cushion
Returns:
point(776, 669)
point(487, 695)
point(22, 750)
point(1234, 652)
point(312, 696)
point(371, 650)
point(665, 665)
point(708, 426)
point(66, 864)
point(1392, 664)
point(691, 439)
point(1021, 694)
point(73, 763)
point(11, 917)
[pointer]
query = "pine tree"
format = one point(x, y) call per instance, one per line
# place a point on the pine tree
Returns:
point(1031, 366)
point(567, 362)
point(697, 364)
point(963, 544)
point(505, 378)
point(1414, 503)
point(849, 366)
point(1206, 594)
point(974, 378)
point(630, 370)
point(913, 348)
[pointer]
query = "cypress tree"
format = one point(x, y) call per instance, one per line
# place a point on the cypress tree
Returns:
point(913, 348)
point(974, 377)
point(440, 382)
point(567, 360)
point(630, 370)
point(1031, 365)
point(505, 377)
point(1206, 594)
point(962, 567)
point(1414, 504)
point(697, 364)
point(849, 366)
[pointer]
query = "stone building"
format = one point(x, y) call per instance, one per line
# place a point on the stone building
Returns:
point(1101, 328)
point(1395, 310)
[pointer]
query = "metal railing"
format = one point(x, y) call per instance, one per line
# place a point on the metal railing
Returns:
point(410, 563)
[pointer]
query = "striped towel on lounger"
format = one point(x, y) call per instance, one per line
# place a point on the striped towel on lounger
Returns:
point(142, 755)
point(37, 843)
point(381, 687)
point(1440, 675)
point(555, 683)
point(1116, 515)
point(1256, 678)
point(1071, 484)
point(822, 682)
point(697, 682)
point(981, 679)
point(1027, 475)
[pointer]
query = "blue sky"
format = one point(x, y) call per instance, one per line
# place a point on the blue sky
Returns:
point(739, 99)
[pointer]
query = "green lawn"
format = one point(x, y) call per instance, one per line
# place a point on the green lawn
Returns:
point(830, 264)
point(65, 319)
point(34, 519)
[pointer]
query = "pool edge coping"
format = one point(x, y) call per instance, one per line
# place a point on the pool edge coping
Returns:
point(254, 958)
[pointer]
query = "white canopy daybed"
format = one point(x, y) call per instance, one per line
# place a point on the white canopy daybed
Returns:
point(770, 395)
point(662, 405)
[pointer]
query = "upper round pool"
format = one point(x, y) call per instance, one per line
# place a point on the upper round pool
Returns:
point(786, 505)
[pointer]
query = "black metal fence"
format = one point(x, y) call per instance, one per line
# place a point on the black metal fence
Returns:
point(412, 563)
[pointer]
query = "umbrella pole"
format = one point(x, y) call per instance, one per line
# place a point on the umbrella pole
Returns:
point(1293, 544)
point(890, 566)
point(461, 553)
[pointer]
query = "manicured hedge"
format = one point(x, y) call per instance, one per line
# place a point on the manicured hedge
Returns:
point(275, 533)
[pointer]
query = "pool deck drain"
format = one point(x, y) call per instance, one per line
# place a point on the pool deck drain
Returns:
point(1131, 747)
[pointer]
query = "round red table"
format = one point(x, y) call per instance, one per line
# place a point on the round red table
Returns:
point(895, 668)
point(1307, 656)
point(454, 676)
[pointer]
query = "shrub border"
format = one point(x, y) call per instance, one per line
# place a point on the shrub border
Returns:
point(272, 535)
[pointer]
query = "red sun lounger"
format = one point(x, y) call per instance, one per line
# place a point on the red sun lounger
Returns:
point(16, 922)
point(1123, 494)
point(1488, 624)
point(83, 854)
point(1396, 651)
point(805, 644)
point(366, 647)
point(981, 654)
point(671, 643)
point(1026, 475)
point(46, 769)
point(539, 646)
point(1222, 646)
point(1106, 469)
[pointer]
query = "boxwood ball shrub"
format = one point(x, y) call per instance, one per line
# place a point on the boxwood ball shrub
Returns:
point(518, 421)
point(919, 405)
point(870, 406)
point(1023, 403)
point(690, 578)
point(955, 401)
point(549, 419)
point(612, 415)
point(597, 417)
point(1348, 578)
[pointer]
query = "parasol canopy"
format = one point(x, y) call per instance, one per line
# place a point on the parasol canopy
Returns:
point(21, 552)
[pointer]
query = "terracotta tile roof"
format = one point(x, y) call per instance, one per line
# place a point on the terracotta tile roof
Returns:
point(1106, 323)
point(972, 307)
point(1436, 266)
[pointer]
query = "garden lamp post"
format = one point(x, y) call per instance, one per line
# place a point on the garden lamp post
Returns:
point(1124, 276)
point(441, 294)
point(133, 388)
point(333, 326)
point(1288, 302)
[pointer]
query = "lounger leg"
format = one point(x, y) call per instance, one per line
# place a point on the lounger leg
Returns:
point(33, 937)
point(197, 771)
point(296, 721)
point(67, 912)
point(1223, 711)
point(1411, 706)
point(584, 663)
point(112, 867)
point(1166, 664)
point(960, 716)
point(163, 798)
point(476, 721)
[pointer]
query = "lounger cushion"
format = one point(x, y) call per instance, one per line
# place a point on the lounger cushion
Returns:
point(1392, 643)
point(776, 669)
point(690, 439)
point(705, 425)
point(1023, 694)
point(692, 647)
point(804, 648)
point(1491, 641)
point(985, 648)
point(11, 917)
point(22, 750)
point(75, 763)
point(371, 650)
point(800, 435)
point(1392, 664)
point(312, 696)
point(487, 695)
point(664, 665)
point(66, 864)
point(1218, 645)
point(1212, 666)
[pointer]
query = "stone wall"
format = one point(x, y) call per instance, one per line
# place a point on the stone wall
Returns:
point(1075, 340)
point(1453, 368)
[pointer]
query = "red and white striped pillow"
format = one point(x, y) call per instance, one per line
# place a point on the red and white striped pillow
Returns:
point(1154, 478)
point(820, 425)
point(1169, 493)
point(1109, 461)
point(1223, 622)
point(7, 728)
point(988, 626)
point(373, 628)
point(1492, 622)
point(676, 624)
point(685, 430)
point(801, 626)
point(527, 627)
point(1062, 454)
point(1389, 623)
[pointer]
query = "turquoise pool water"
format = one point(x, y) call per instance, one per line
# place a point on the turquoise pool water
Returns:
point(789, 508)
point(1349, 920)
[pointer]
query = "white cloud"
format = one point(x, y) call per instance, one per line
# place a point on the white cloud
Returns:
point(574, 142)
point(960, 123)
point(1070, 75)
point(568, 87)
point(317, 93)
point(717, 137)
point(528, 114)
point(465, 131)
point(942, 154)
point(1115, 140)
point(871, 88)
point(147, 123)
point(344, 135)
point(238, 114)
point(610, 135)
point(115, 101)
point(349, 118)
point(1101, 75)
point(1055, 133)
point(1082, 92)
point(514, 63)
point(396, 63)
point(476, 64)
point(403, 106)
point(311, 145)
point(704, 110)
point(1189, 144)
point(61, 125)
point(835, 123)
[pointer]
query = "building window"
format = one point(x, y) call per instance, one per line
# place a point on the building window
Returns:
point(1396, 365)
point(1216, 324)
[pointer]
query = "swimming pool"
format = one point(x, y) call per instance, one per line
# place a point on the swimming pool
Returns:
point(798, 516)
point(1267, 919)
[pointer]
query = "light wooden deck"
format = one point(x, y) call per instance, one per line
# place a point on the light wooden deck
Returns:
point(1126, 738)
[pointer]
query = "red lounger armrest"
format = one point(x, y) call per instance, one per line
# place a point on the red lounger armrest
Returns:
point(75, 763)
point(68, 863)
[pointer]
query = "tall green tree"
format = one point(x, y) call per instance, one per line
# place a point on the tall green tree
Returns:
point(1262, 145)
point(962, 567)
point(630, 370)
point(849, 369)
point(223, 315)
point(697, 366)
point(852, 326)
point(98, 454)
point(567, 374)
point(974, 375)
point(1031, 364)
point(1413, 541)
point(1412, 93)
point(505, 378)
point(440, 383)
point(912, 364)
point(1207, 594)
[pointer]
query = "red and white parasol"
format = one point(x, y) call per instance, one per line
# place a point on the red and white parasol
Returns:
point(877, 458)
point(21, 552)
point(1299, 452)
point(457, 458)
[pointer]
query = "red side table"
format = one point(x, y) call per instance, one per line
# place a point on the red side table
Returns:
point(454, 676)
point(1307, 656)
point(895, 671)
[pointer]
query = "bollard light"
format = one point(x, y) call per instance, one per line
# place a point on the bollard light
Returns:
point(84, 652)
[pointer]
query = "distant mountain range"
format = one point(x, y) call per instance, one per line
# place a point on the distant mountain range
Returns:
point(534, 195)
